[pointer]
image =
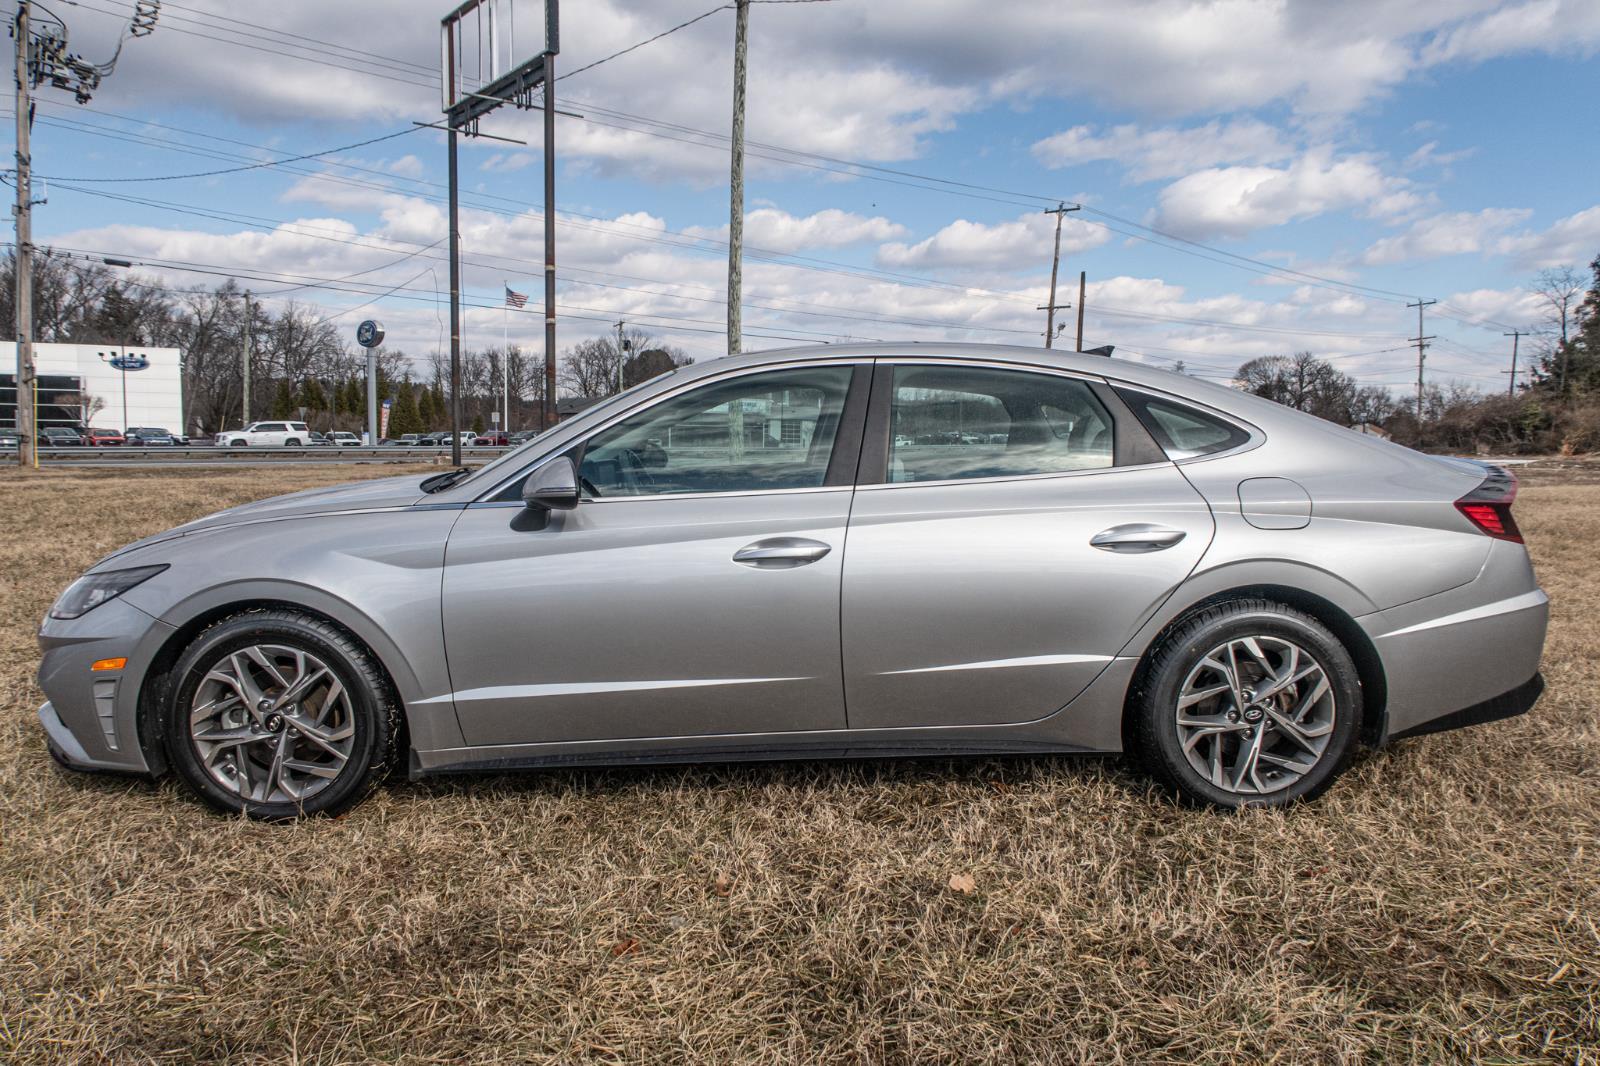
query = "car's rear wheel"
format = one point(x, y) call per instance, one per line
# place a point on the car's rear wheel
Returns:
point(277, 714)
point(1246, 703)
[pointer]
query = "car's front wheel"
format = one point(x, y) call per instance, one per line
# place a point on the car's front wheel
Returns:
point(278, 714)
point(1246, 703)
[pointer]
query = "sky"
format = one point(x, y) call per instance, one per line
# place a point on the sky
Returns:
point(1256, 177)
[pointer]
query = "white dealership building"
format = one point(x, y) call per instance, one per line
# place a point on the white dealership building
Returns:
point(117, 385)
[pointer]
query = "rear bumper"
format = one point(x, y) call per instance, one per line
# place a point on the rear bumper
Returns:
point(1506, 705)
point(1449, 661)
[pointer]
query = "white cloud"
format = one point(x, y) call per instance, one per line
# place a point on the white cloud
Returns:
point(1020, 244)
point(868, 81)
point(776, 230)
point(1552, 26)
point(1165, 152)
point(1454, 233)
point(1234, 201)
point(1568, 241)
point(1499, 305)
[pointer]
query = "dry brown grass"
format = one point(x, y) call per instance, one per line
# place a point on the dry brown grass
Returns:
point(1440, 904)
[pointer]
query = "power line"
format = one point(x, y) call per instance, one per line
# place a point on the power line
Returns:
point(240, 169)
point(301, 229)
point(647, 40)
point(1150, 234)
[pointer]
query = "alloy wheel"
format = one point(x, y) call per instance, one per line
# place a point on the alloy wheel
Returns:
point(1255, 714)
point(272, 723)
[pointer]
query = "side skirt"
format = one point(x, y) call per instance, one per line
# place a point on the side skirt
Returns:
point(474, 761)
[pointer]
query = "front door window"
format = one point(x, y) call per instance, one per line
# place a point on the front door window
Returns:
point(754, 433)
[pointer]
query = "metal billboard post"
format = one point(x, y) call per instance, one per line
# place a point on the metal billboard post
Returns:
point(468, 95)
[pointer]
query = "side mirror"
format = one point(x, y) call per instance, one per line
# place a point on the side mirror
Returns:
point(552, 486)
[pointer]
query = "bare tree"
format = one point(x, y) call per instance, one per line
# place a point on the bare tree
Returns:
point(595, 368)
point(88, 404)
point(1559, 290)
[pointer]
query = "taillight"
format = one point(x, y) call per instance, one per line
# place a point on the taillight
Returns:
point(1489, 505)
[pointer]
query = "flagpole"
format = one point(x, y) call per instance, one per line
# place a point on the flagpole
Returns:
point(505, 360)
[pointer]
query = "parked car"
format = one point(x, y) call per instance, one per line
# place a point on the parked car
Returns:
point(60, 437)
point(99, 438)
point(523, 436)
point(1237, 593)
point(319, 440)
point(267, 434)
point(345, 439)
point(490, 439)
point(9, 439)
point(150, 436)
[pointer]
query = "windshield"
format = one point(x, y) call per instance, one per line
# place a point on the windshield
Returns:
point(490, 471)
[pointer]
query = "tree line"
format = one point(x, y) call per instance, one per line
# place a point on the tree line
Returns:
point(1553, 407)
point(302, 362)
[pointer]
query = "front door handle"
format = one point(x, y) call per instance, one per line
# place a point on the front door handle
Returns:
point(1136, 537)
point(781, 553)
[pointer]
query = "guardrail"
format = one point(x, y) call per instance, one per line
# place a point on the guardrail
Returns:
point(258, 453)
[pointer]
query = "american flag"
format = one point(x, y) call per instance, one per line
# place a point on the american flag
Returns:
point(515, 299)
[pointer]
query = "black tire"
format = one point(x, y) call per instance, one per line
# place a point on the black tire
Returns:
point(238, 443)
point(291, 443)
point(1152, 732)
point(375, 711)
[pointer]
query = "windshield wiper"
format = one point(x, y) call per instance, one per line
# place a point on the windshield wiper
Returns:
point(440, 482)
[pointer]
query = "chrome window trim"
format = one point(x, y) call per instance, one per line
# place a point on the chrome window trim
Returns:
point(1011, 477)
point(618, 416)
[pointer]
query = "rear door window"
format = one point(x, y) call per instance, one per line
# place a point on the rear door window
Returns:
point(952, 423)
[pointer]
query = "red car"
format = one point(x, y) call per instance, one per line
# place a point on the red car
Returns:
point(99, 437)
point(491, 440)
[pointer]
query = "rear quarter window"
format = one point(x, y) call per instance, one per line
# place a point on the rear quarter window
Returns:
point(1184, 432)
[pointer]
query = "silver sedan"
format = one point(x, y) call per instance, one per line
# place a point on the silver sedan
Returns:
point(837, 552)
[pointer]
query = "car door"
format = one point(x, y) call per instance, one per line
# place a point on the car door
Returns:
point(1012, 528)
point(693, 591)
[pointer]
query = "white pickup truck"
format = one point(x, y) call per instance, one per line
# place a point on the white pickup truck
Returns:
point(268, 434)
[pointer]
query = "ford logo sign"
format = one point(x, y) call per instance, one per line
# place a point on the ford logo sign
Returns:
point(130, 362)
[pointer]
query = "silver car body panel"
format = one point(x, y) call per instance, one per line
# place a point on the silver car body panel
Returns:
point(956, 616)
point(629, 617)
point(984, 602)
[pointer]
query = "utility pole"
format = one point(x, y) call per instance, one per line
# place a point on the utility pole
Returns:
point(1515, 335)
point(39, 61)
point(1060, 211)
point(741, 35)
point(1083, 281)
point(1421, 341)
point(620, 349)
point(547, 414)
point(24, 264)
point(244, 359)
point(455, 302)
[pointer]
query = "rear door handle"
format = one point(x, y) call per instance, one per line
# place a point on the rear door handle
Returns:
point(1136, 537)
point(781, 553)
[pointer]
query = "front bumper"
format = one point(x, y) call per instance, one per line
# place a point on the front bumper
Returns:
point(92, 718)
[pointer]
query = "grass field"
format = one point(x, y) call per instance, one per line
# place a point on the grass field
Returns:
point(1441, 903)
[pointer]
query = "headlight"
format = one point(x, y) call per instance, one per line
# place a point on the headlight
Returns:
point(91, 590)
